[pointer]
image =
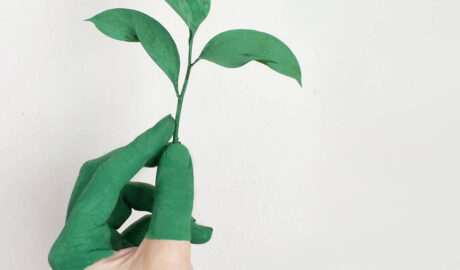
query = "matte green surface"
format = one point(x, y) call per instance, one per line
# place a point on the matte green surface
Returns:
point(236, 48)
point(232, 49)
point(193, 12)
point(172, 212)
point(103, 198)
point(131, 25)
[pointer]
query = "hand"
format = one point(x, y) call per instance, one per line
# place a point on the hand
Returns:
point(103, 198)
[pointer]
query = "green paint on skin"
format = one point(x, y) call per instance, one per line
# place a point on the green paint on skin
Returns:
point(171, 215)
point(103, 198)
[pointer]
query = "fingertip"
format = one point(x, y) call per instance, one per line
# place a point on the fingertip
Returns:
point(178, 154)
point(201, 234)
point(169, 117)
point(153, 140)
point(163, 130)
point(168, 122)
point(178, 148)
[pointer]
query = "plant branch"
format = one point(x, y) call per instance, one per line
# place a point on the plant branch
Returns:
point(180, 98)
point(198, 59)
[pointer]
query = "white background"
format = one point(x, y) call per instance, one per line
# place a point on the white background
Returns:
point(359, 169)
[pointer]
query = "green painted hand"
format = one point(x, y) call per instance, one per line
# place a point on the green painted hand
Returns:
point(103, 198)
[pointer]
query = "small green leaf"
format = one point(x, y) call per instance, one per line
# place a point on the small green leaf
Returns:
point(193, 12)
point(235, 48)
point(131, 25)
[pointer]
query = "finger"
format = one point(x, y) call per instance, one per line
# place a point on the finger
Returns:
point(135, 233)
point(171, 215)
point(97, 201)
point(153, 161)
point(140, 196)
point(86, 172)
point(134, 195)
point(200, 234)
point(118, 242)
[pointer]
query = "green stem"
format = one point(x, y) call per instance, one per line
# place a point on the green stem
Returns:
point(180, 98)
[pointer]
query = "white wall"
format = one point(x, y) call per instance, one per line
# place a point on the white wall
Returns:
point(359, 169)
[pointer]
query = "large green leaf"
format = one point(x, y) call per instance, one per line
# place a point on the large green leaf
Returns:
point(193, 12)
point(236, 48)
point(131, 25)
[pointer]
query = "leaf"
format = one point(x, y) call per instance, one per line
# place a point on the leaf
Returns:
point(193, 12)
point(235, 48)
point(131, 25)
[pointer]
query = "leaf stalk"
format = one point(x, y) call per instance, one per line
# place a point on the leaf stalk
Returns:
point(180, 98)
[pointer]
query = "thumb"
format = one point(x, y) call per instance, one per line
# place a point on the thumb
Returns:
point(172, 211)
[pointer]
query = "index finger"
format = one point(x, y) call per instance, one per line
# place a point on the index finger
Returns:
point(100, 196)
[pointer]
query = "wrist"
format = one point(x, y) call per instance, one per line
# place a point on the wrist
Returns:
point(163, 255)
